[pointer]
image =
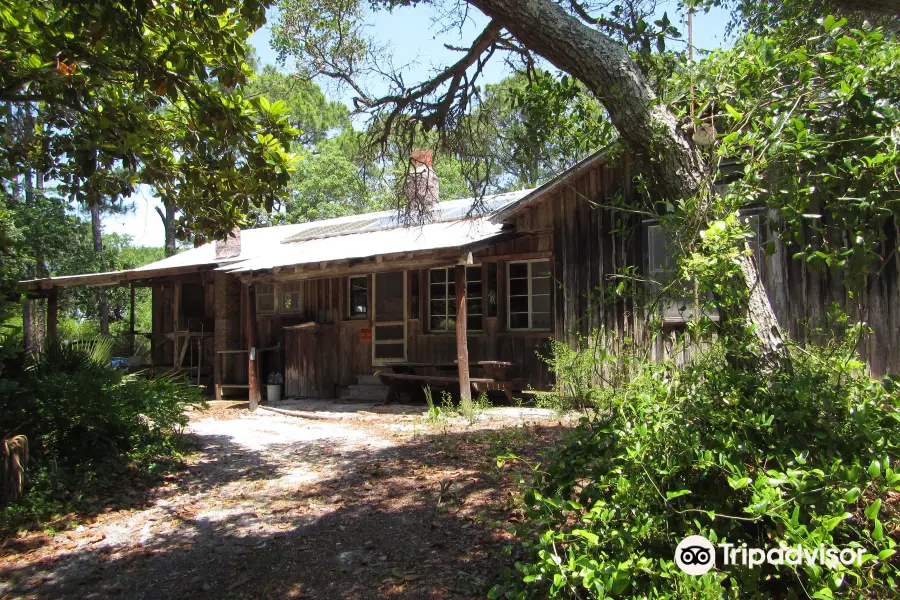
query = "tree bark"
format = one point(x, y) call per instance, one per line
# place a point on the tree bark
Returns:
point(97, 231)
point(647, 127)
point(872, 7)
point(28, 325)
point(253, 390)
point(168, 219)
point(462, 343)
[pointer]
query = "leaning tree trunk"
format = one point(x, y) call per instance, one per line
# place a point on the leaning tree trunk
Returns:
point(647, 126)
point(103, 305)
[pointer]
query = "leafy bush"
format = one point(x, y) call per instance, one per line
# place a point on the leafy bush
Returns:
point(587, 373)
point(86, 421)
point(799, 456)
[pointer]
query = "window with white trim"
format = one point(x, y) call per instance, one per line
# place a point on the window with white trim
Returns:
point(474, 304)
point(529, 285)
point(265, 298)
point(442, 299)
point(359, 297)
point(292, 296)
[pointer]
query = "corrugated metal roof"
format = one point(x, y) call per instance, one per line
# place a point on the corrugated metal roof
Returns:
point(451, 234)
point(380, 233)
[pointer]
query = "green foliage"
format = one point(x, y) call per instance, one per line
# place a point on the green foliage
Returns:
point(814, 123)
point(439, 416)
point(309, 110)
point(471, 409)
point(86, 422)
point(153, 89)
point(541, 126)
point(801, 456)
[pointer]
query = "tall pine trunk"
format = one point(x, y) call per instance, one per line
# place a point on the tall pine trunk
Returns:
point(97, 230)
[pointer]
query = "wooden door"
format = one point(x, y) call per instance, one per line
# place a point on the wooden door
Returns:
point(389, 318)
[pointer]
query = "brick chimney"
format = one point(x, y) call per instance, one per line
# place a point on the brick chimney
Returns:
point(231, 246)
point(421, 183)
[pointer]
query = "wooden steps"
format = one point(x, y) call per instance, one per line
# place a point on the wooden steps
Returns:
point(368, 388)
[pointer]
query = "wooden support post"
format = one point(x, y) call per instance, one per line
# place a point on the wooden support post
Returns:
point(253, 351)
point(131, 322)
point(52, 316)
point(462, 345)
point(176, 323)
point(220, 366)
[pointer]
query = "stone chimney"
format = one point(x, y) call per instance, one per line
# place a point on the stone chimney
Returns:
point(421, 183)
point(231, 246)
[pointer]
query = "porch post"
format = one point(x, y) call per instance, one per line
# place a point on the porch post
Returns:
point(131, 323)
point(462, 348)
point(52, 316)
point(252, 358)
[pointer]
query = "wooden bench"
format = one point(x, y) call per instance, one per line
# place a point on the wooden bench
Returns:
point(479, 384)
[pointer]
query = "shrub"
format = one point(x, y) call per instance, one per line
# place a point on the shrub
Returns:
point(87, 422)
point(801, 456)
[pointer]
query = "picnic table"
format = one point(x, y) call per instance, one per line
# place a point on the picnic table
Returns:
point(403, 375)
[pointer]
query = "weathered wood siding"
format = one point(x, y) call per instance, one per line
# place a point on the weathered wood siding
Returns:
point(592, 241)
point(801, 296)
point(321, 360)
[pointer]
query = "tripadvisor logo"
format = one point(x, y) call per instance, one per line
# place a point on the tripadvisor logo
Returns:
point(696, 555)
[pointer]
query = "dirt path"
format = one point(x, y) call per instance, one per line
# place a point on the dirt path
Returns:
point(351, 505)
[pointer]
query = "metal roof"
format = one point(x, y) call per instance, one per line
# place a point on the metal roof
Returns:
point(452, 224)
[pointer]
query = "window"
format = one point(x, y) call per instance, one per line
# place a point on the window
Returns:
point(660, 260)
point(413, 294)
point(491, 289)
point(442, 299)
point(680, 306)
point(359, 297)
point(529, 285)
point(265, 297)
point(474, 307)
point(291, 296)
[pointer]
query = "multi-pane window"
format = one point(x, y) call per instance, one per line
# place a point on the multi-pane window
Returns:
point(442, 299)
point(474, 298)
point(359, 297)
point(491, 299)
point(529, 286)
point(291, 296)
point(660, 260)
point(265, 297)
point(413, 295)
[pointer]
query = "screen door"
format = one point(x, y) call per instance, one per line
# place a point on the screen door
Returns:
point(389, 331)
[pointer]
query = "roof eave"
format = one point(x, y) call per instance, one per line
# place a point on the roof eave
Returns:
point(596, 159)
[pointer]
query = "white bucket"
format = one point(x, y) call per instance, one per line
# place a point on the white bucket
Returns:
point(273, 393)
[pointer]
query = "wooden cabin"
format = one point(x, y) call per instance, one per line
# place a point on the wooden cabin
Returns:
point(471, 292)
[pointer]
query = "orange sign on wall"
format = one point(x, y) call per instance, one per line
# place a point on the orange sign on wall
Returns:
point(365, 336)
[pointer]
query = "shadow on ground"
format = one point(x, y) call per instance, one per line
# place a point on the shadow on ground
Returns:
point(421, 519)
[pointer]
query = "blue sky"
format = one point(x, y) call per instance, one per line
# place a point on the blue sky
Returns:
point(416, 40)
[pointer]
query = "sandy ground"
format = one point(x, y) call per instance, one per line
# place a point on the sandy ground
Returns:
point(355, 501)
